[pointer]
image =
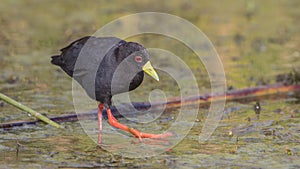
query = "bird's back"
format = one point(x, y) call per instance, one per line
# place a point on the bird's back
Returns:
point(69, 54)
point(91, 61)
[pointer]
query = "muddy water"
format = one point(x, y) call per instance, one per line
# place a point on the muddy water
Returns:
point(256, 41)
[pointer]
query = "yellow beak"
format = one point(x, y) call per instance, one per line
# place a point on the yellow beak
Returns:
point(147, 68)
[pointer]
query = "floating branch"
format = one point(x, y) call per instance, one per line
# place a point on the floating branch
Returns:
point(243, 96)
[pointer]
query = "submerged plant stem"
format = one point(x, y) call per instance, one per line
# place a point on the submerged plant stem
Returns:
point(28, 110)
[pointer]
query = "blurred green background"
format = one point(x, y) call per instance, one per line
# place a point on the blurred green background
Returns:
point(256, 41)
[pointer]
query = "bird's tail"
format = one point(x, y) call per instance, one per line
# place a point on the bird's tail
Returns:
point(57, 60)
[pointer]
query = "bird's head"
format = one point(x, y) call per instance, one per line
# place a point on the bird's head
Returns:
point(139, 58)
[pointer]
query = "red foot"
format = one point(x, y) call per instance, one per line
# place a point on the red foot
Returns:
point(114, 122)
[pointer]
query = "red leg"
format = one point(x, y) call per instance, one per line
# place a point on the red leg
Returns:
point(114, 122)
point(100, 109)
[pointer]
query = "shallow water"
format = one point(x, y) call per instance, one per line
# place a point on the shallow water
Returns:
point(255, 40)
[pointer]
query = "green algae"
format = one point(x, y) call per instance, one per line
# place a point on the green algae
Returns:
point(256, 41)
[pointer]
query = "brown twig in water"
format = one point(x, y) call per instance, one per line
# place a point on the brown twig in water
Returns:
point(243, 96)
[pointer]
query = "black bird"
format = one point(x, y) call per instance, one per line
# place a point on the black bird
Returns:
point(105, 66)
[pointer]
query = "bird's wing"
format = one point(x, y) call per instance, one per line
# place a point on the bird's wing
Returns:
point(88, 62)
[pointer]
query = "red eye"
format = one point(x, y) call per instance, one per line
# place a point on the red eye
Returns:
point(138, 59)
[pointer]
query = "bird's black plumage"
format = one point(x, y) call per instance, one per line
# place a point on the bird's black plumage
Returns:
point(103, 66)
